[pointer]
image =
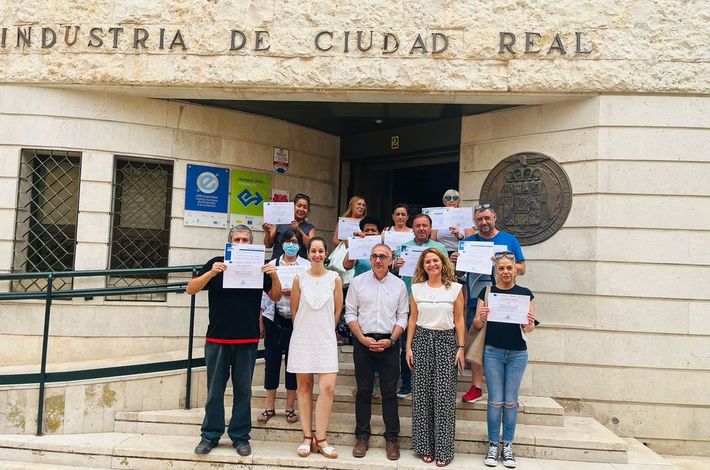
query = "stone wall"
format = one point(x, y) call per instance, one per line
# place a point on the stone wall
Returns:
point(101, 126)
point(624, 46)
point(621, 289)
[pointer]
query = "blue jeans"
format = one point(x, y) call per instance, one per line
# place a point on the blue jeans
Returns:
point(504, 371)
point(221, 359)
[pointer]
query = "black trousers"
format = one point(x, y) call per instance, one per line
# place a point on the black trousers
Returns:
point(276, 341)
point(386, 363)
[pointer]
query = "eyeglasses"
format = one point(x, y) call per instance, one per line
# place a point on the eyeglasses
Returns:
point(379, 257)
point(505, 254)
point(450, 198)
point(302, 196)
point(482, 207)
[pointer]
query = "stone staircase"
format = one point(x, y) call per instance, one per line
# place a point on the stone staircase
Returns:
point(545, 438)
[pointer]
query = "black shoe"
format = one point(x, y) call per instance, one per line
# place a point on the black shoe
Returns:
point(243, 448)
point(205, 446)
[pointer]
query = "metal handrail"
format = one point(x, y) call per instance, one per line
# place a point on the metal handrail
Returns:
point(49, 294)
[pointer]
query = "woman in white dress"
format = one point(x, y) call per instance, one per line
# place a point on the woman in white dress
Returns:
point(316, 302)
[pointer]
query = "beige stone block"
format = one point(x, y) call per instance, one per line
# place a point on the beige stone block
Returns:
point(97, 166)
point(74, 400)
point(652, 177)
point(246, 155)
point(639, 350)
point(642, 211)
point(9, 160)
point(583, 176)
point(8, 193)
point(546, 345)
point(81, 104)
point(95, 197)
point(93, 227)
point(192, 256)
point(654, 111)
point(7, 231)
point(183, 236)
point(562, 276)
point(170, 392)
point(653, 280)
point(196, 147)
point(567, 244)
point(621, 384)
point(646, 245)
point(698, 316)
point(152, 398)
point(650, 315)
point(554, 309)
point(75, 134)
point(656, 143)
point(91, 256)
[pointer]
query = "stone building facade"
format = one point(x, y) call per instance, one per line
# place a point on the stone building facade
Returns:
point(616, 92)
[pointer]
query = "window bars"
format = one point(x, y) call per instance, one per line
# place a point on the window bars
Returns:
point(46, 216)
point(140, 227)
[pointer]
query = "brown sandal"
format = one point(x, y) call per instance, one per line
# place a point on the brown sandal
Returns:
point(291, 416)
point(266, 415)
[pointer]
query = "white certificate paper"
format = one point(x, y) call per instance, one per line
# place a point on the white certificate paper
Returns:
point(244, 263)
point(361, 248)
point(476, 258)
point(287, 273)
point(443, 218)
point(411, 254)
point(278, 212)
point(395, 239)
point(347, 227)
point(508, 308)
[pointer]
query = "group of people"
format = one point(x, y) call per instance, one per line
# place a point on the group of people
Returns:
point(412, 329)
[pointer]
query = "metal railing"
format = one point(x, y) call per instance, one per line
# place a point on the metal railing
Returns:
point(50, 294)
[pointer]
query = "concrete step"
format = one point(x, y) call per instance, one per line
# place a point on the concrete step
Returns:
point(541, 411)
point(580, 439)
point(132, 451)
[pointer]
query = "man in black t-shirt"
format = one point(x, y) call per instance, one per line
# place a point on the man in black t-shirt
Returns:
point(231, 343)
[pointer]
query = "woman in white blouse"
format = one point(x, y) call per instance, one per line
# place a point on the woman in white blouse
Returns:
point(435, 340)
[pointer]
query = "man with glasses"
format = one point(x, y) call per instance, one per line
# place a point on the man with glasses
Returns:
point(230, 346)
point(376, 310)
point(485, 218)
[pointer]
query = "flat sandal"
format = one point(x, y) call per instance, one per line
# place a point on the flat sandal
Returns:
point(266, 415)
point(304, 450)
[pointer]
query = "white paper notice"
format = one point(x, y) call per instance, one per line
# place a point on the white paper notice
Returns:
point(410, 254)
point(475, 258)
point(508, 308)
point(278, 212)
point(443, 218)
point(360, 248)
point(287, 273)
point(244, 263)
point(395, 239)
point(347, 227)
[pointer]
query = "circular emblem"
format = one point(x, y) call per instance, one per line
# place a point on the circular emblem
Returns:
point(531, 195)
point(207, 182)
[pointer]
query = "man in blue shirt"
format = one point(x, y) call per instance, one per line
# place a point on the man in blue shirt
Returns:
point(485, 218)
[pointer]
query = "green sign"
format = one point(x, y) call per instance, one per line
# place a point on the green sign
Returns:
point(249, 191)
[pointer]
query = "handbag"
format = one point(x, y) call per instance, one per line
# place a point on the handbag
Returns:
point(335, 263)
point(476, 340)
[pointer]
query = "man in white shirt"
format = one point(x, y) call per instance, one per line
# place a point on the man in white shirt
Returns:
point(376, 310)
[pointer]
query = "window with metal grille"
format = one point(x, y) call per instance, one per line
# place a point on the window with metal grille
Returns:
point(47, 211)
point(140, 235)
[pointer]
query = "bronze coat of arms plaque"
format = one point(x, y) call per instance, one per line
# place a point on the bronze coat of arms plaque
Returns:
point(531, 194)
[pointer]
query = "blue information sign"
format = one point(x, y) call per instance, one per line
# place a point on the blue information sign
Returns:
point(206, 196)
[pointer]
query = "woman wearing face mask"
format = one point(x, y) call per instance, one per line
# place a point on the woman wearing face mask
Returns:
point(274, 234)
point(450, 238)
point(278, 327)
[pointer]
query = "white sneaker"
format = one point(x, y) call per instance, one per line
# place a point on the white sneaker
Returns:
point(508, 458)
point(491, 459)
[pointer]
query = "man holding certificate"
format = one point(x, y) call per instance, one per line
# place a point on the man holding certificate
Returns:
point(507, 313)
point(232, 338)
point(358, 257)
point(405, 263)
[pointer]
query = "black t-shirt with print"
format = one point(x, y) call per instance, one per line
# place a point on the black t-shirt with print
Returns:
point(234, 313)
point(506, 335)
